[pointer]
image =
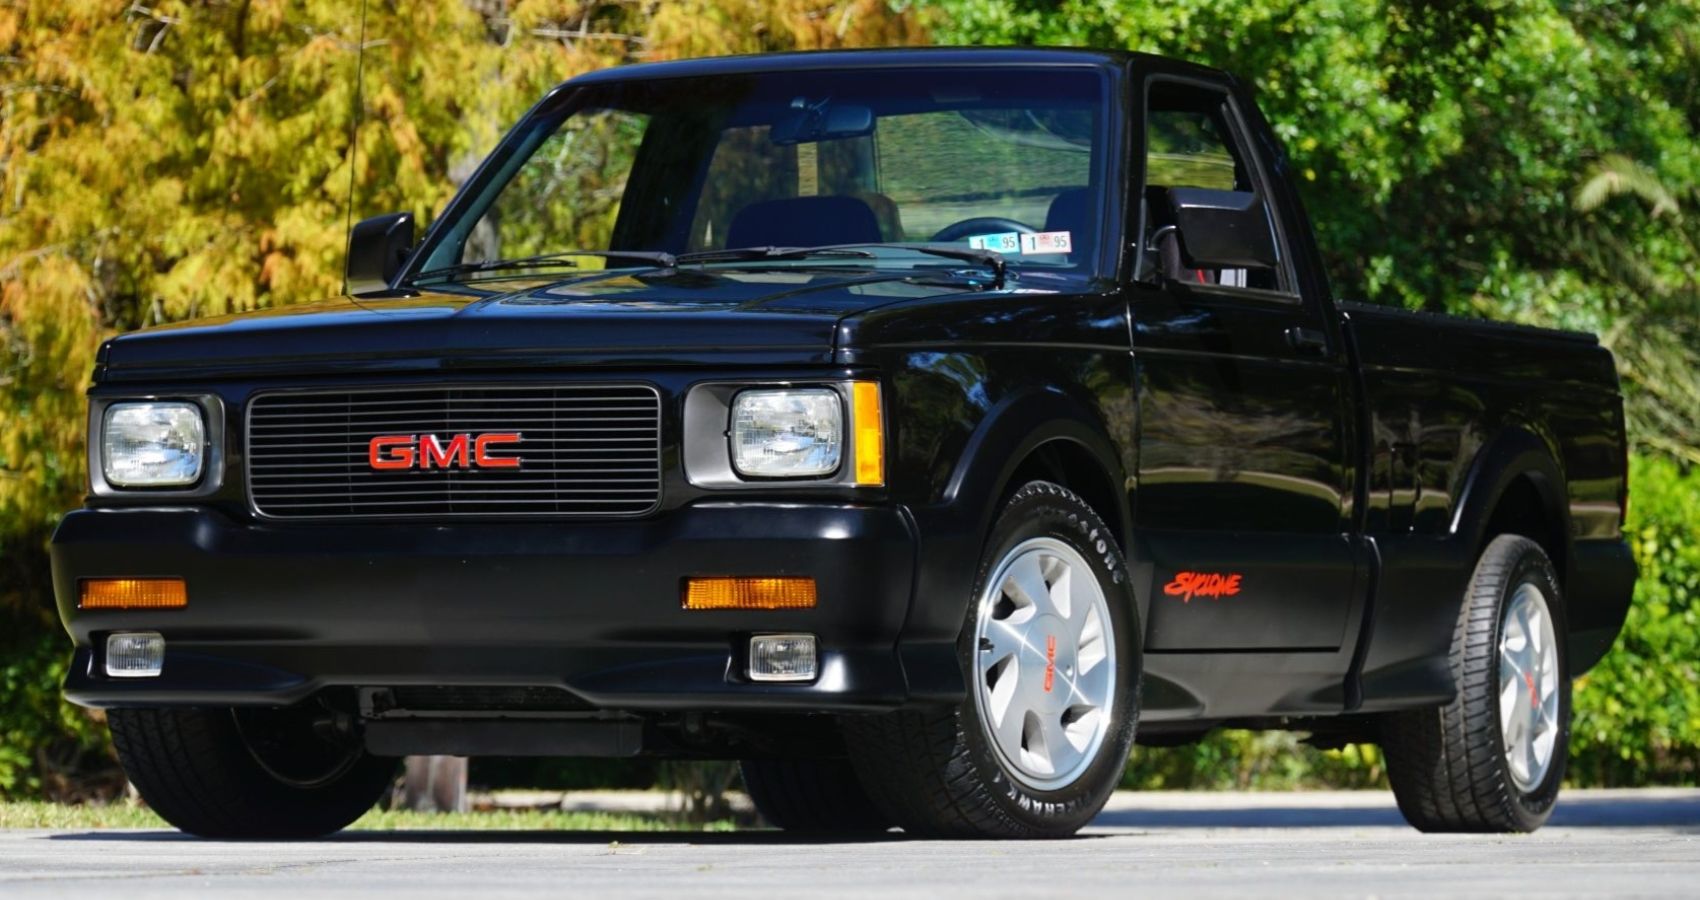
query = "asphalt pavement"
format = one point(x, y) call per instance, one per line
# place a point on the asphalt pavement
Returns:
point(1629, 843)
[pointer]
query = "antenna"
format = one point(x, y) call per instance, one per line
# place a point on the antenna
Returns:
point(354, 142)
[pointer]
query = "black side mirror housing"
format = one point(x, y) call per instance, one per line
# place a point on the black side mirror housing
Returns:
point(376, 249)
point(1222, 229)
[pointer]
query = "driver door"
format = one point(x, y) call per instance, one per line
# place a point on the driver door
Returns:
point(1245, 468)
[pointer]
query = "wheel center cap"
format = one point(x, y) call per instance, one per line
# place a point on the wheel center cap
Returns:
point(1051, 661)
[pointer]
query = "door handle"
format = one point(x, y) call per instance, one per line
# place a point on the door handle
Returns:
point(1307, 340)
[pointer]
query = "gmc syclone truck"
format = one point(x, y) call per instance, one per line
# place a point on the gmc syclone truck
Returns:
point(909, 425)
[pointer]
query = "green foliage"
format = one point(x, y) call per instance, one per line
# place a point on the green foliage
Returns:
point(36, 814)
point(1260, 760)
point(47, 746)
point(176, 159)
point(1523, 159)
point(1638, 713)
point(1535, 160)
point(1530, 160)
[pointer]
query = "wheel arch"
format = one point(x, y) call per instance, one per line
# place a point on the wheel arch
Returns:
point(1044, 435)
point(1513, 485)
point(1516, 486)
point(1036, 429)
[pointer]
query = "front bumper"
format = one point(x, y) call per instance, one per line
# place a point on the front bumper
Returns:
point(277, 613)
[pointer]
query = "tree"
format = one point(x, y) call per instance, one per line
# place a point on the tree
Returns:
point(1475, 157)
point(1652, 285)
point(1439, 148)
point(183, 159)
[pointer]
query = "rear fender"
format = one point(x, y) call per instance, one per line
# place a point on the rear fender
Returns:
point(1423, 579)
point(1516, 453)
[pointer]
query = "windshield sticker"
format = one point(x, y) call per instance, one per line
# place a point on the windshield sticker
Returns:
point(1047, 242)
point(1008, 242)
point(1012, 243)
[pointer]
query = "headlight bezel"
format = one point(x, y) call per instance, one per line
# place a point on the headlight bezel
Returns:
point(211, 478)
point(708, 452)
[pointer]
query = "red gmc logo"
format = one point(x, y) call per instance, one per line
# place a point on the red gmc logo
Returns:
point(427, 451)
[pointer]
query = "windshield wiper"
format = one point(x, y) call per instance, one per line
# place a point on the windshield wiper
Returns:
point(655, 258)
point(991, 259)
point(741, 254)
point(662, 260)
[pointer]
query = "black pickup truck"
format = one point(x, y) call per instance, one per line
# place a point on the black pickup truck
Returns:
point(909, 425)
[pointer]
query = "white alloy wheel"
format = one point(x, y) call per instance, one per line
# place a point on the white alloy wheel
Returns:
point(1045, 664)
point(1528, 687)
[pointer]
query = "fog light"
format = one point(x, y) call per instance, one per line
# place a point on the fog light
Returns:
point(135, 654)
point(782, 657)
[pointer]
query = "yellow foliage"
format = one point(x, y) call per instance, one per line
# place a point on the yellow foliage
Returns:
point(170, 159)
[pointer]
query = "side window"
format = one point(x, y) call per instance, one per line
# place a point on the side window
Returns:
point(567, 194)
point(1190, 143)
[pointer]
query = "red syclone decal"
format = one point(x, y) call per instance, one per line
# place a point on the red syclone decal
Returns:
point(428, 451)
point(1188, 585)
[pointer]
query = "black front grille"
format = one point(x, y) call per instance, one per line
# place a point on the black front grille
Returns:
point(584, 450)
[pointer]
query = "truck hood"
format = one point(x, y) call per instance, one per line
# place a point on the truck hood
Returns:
point(649, 318)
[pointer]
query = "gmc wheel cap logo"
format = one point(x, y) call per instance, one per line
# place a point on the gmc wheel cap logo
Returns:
point(428, 451)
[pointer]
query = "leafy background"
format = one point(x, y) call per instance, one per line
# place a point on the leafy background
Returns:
point(1532, 160)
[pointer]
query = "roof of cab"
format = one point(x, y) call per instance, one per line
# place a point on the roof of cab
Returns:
point(901, 57)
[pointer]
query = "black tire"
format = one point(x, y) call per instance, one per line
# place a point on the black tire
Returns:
point(812, 796)
point(935, 773)
point(202, 770)
point(1448, 766)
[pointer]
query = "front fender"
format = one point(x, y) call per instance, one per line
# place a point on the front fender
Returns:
point(953, 530)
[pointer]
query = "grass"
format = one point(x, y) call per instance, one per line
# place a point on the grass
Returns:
point(35, 814)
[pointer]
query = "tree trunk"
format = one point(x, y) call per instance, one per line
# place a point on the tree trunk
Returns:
point(434, 784)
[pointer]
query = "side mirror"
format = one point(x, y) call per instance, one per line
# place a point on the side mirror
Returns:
point(376, 249)
point(1222, 229)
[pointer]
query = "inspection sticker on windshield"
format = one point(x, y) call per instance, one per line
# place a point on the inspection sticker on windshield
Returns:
point(1008, 242)
point(1012, 243)
point(1047, 242)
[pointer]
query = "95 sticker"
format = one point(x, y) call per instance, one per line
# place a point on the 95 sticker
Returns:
point(1047, 242)
point(1008, 242)
point(1011, 243)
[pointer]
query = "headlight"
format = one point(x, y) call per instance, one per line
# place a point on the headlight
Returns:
point(152, 444)
point(787, 433)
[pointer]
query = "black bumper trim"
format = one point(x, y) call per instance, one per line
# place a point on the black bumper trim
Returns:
point(279, 612)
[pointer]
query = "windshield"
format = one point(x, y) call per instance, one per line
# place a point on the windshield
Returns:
point(1009, 160)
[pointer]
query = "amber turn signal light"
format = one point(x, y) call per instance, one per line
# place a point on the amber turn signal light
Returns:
point(869, 424)
point(133, 593)
point(749, 593)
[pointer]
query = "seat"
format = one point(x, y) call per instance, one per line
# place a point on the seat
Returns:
point(1071, 211)
point(886, 214)
point(804, 222)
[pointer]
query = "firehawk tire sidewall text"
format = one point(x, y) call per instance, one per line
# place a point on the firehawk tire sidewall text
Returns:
point(1038, 518)
point(935, 771)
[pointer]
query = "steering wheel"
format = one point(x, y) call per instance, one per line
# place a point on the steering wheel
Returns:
point(967, 228)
